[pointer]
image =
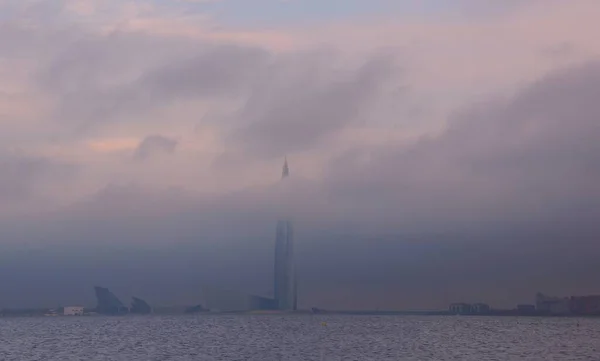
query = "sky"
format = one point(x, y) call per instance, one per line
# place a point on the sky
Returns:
point(440, 151)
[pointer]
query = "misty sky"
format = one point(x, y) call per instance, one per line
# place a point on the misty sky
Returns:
point(440, 151)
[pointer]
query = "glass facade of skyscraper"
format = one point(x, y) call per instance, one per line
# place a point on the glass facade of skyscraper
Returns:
point(285, 278)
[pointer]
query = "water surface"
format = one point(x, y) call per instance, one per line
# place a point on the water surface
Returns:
point(298, 338)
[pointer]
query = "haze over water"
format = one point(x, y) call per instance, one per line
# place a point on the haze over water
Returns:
point(299, 338)
point(440, 151)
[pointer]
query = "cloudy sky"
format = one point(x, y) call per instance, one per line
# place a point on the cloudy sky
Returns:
point(440, 150)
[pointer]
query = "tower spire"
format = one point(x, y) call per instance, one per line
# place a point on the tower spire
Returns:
point(286, 170)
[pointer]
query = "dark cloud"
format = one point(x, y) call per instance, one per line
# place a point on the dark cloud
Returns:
point(532, 158)
point(289, 102)
point(216, 71)
point(154, 145)
point(22, 176)
point(560, 50)
point(29, 46)
point(121, 76)
point(291, 114)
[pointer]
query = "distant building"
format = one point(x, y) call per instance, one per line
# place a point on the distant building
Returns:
point(284, 279)
point(108, 303)
point(218, 300)
point(73, 311)
point(460, 308)
point(285, 289)
point(469, 309)
point(552, 305)
point(480, 308)
point(585, 305)
point(53, 312)
point(139, 306)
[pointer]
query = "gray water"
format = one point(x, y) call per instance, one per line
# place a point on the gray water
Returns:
point(298, 338)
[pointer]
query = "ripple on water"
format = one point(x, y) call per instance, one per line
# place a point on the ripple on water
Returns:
point(298, 338)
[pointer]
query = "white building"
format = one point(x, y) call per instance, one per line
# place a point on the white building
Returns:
point(73, 311)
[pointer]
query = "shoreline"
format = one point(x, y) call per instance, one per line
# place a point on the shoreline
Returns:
point(499, 313)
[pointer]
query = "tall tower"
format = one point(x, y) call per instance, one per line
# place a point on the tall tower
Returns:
point(285, 275)
point(286, 170)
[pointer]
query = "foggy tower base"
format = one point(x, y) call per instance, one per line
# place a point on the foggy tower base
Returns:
point(285, 275)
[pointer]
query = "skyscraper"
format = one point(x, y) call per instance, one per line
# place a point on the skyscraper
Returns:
point(284, 275)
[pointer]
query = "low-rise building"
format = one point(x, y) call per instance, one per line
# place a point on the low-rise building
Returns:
point(460, 308)
point(73, 311)
point(219, 300)
point(469, 309)
point(585, 305)
point(480, 308)
point(552, 305)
